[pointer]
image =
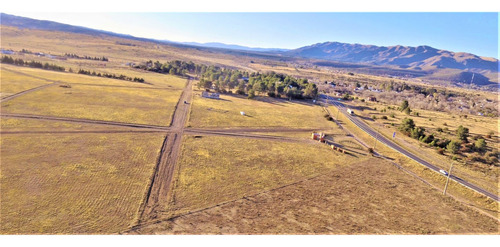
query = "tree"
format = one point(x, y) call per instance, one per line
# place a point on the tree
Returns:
point(453, 147)
point(462, 133)
point(417, 132)
point(404, 105)
point(251, 94)
point(311, 91)
point(480, 145)
point(407, 125)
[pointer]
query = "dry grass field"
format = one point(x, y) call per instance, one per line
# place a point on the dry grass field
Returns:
point(216, 169)
point(13, 83)
point(99, 103)
point(75, 183)
point(261, 112)
point(368, 197)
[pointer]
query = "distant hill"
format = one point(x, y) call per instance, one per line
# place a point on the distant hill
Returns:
point(235, 47)
point(420, 57)
point(23, 22)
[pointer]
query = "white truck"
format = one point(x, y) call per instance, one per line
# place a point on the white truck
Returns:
point(351, 112)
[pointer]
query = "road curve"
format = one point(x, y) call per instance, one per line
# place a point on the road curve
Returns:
point(396, 147)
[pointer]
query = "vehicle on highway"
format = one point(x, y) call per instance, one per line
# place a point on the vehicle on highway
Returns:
point(443, 172)
point(351, 112)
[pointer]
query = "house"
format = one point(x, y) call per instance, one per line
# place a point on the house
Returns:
point(8, 52)
point(209, 95)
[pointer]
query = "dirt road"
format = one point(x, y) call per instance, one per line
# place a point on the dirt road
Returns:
point(159, 191)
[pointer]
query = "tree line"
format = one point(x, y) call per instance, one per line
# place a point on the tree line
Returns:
point(113, 76)
point(225, 80)
point(32, 64)
point(105, 59)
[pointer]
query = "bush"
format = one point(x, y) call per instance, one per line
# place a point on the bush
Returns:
point(384, 117)
point(439, 129)
point(392, 115)
point(480, 145)
point(370, 150)
point(462, 133)
point(440, 151)
point(453, 147)
point(374, 117)
point(271, 94)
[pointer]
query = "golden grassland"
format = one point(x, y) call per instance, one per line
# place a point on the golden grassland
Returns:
point(12, 83)
point(368, 197)
point(455, 189)
point(30, 125)
point(481, 174)
point(74, 184)
point(260, 112)
point(215, 169)
point(99, 103)
point(154, 80)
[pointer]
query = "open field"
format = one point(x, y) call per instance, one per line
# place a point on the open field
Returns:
point(369, 197)
point(261, 112)
point(12, 125)
point(82, 183)
point(471, 197)
point(13, 83)
point(215, 169)
point(153, 80)
point(99, 103)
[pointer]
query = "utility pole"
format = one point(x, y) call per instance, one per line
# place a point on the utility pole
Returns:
point(448, 179)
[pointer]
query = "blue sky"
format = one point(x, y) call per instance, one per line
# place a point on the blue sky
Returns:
point(476, 33)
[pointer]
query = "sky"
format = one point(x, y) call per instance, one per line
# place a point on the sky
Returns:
point(475, 33)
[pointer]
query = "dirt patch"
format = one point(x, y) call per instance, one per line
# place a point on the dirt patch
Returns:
point(370, 197)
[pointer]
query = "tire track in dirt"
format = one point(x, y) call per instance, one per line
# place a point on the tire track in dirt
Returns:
point(7, 98)
point(159, 191)
point(83, 120)
point(78, 132)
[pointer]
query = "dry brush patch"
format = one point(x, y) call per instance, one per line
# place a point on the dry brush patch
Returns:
point(471, 197)
point(369, 197)
point(483, 175)
point(74, 184)
point(215, 169)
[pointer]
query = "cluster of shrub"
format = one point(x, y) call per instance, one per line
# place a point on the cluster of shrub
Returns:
point(460, 145)
point(105, 59)
point(32, 64)
point(225, 80)
point(120, 77)
point(176, 67)
point(255, 83)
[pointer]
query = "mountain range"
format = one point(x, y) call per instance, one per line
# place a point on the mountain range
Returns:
point(420, 57)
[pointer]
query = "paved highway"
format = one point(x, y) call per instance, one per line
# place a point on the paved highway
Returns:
point(389, 143)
